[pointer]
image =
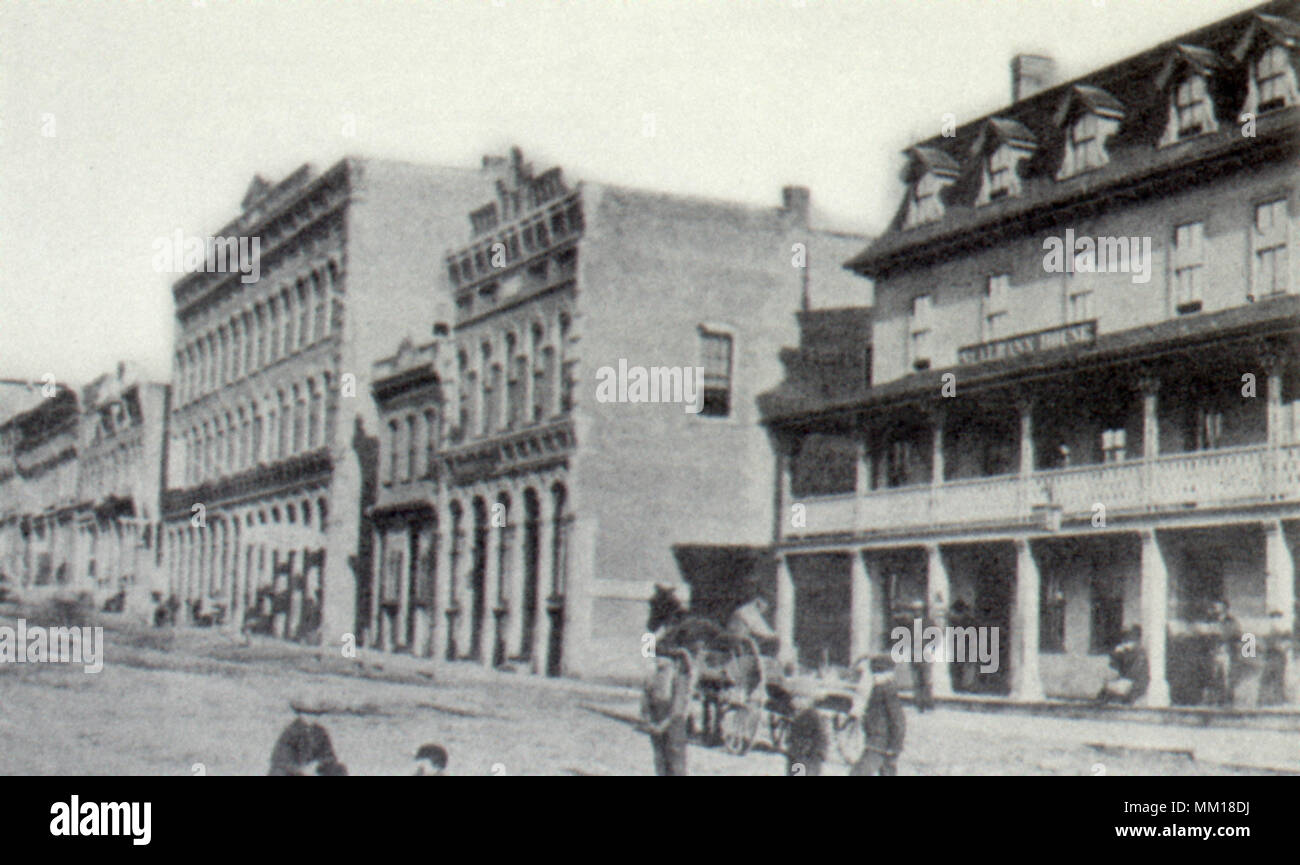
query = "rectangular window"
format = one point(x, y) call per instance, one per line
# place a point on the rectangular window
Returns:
point(1271, 79)
point(920, 332)
point(1106, 624)
point(1086, 140)
point(1272, 263)
point(1079, 307)
point(1189, 266)
point(715, 350)
point(1114, 445)
point(1192, 103)
point(996, 303)
point(1051, 615)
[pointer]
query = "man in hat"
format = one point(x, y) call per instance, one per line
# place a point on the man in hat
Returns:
point(883, 723)
point(305, 749)
point(431, 759)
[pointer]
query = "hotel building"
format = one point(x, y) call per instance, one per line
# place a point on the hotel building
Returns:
point(1064, 447)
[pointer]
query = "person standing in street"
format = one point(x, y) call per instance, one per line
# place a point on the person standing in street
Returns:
point(665, 709)
point(883, 723)
point(807, 743)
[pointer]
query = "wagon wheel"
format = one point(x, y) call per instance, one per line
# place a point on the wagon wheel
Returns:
point(739, 726)
point(848, 735)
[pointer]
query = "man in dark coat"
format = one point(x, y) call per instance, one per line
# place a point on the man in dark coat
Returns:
point(665, 708)
point(1129, 659)
point(883, 723)
point(304, 749)
point(806, 743)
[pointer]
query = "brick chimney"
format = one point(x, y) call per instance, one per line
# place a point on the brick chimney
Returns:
point(1030, 74)
point(796, 204)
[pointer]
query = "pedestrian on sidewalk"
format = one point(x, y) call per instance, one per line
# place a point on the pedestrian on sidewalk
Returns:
point(883, 723)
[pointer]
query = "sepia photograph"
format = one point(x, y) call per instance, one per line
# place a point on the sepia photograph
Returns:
point(497, 388)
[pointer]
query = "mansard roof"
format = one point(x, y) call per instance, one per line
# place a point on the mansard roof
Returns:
point(1271, 28)
point(1126, 89)
point(1187, 58)
point(932, 159)
point(1088, 98)
point(1004, 130)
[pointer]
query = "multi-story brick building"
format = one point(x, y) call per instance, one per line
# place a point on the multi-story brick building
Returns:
point(271, 457)
point(80, 482)
point(38, 488)
point(120, 463)
point(1064, 446)
point(525, 513)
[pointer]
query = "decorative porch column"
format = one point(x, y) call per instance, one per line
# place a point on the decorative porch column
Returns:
point(545, 579)
point(863, 605)
point(515, 621)
point(1155, 615)
point(785, 611)
point(1272, 363)
point(377, 638)
point(1280, 569)
point(402, 625)
point(491, 587)
point(784, 446)
point(442, 580)
point(1028, 685)
point(1149, 388)
point(937, 595)
point(1025, 408)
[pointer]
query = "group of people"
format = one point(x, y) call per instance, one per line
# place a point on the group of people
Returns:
point(666, 712)
point(305, 748)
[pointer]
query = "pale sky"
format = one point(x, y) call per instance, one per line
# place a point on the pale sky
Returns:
point(123, 121)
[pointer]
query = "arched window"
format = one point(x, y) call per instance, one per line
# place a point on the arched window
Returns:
point(313, 415)
point(413, 449)
point(304, 314)
point(299, 419)
point(285, 427)
point(286, 321)
point(390, 473)
point(318, 314)
point(430, 439)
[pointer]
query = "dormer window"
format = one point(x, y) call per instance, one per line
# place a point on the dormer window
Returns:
point(1192, 109)
point(930, 172)
point(1000, 147)
point(1274, 79)
point(1086, 142)
point(1090, 115)
point(1267, 48)
point(1185, 80)
point(925, 205)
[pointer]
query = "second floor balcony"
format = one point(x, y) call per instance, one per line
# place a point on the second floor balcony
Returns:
point(1203, 430)
point(1254, 475)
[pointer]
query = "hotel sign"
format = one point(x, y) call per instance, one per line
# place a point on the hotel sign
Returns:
point(1082, 333)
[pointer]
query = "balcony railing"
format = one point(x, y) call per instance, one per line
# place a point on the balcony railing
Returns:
point(1202, 479)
